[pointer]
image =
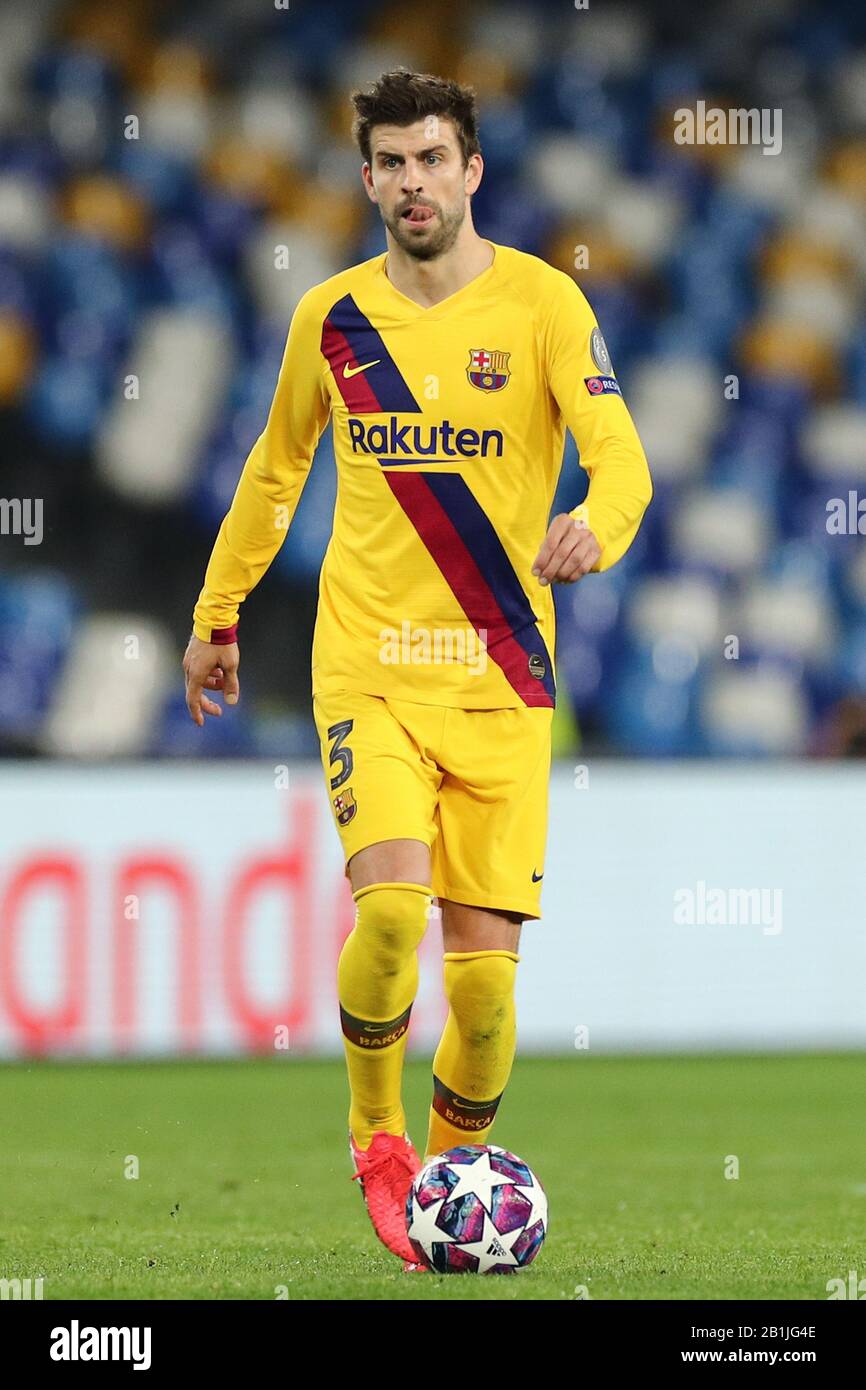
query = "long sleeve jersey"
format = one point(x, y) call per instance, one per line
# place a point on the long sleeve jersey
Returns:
point(449, 424)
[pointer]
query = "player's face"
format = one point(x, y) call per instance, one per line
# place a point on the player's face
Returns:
point(417, 176)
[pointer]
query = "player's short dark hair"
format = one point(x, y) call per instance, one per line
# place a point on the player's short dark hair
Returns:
point(402, 97)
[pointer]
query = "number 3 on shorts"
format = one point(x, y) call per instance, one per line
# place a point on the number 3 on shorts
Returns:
point(339, 733)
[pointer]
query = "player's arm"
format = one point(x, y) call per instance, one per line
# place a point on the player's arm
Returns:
point(598, 532)
point(255, 525)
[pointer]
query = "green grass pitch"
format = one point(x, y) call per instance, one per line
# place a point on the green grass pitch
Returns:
point(244, 1184)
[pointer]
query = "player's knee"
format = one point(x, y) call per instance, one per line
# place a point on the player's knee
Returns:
point(393, 919)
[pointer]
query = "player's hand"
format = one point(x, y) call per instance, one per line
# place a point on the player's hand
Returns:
point(568, 551)
point(206, 665)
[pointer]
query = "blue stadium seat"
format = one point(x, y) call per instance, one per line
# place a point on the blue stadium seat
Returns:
point(186, 274)
point(164, 179)
point(229, 735)
point(17, 283)
point(650, 704)
point(858, 368)
point(851, 665)
point(37, 620)
point(67, 399)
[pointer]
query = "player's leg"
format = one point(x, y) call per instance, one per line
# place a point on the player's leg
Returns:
point(377, 978)
point(384, 783)
point(487, 867)
point(466, 928)
point(475, 1055)
point(407, 860)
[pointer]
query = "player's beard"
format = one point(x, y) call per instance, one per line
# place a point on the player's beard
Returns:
point(438, 242)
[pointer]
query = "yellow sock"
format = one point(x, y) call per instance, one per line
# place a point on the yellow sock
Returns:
point(474, 1058)
point(377, 980)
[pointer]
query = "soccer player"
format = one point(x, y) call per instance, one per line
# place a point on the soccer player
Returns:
point(450, 367)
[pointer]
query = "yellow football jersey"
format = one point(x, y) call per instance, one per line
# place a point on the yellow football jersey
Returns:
point(448, 435)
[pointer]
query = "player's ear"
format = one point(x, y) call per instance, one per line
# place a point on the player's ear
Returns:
point(474, 171)
point(367, 178)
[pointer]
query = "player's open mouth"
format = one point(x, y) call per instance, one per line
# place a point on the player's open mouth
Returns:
point(419, 213)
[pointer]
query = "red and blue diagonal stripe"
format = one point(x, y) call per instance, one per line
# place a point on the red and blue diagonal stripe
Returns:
point(462, 540)
point(350, 340)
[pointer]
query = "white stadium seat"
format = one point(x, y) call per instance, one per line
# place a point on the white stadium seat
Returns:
point(278, 289)
point(792, 618)
point(643, 218)
point(574, 176)
point(280, 119)
point(117, 675)
point(818, 304)
point(685, 606)
point(148, 448)
point(681, 390)
point(724, 528)
point(756, 709)
point(25, 213)
point(833, 442)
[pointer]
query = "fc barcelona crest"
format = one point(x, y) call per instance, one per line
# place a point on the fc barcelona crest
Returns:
point(487, 370)
point(345, 806)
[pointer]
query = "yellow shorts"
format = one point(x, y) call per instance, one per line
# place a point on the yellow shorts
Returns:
point(472, 784)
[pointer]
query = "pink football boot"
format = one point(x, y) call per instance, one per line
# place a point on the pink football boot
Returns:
point(385, 1171)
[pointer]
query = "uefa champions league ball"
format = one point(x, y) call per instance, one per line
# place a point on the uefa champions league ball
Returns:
point(476, 1209)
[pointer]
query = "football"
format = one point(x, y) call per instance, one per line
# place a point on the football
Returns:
point(476, 1209)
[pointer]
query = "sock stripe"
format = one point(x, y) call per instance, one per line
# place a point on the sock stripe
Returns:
point(373, 1034)
point(461, 1112)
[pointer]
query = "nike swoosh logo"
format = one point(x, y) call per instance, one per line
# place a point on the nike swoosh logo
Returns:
point(349, 372)
point(536, 878)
